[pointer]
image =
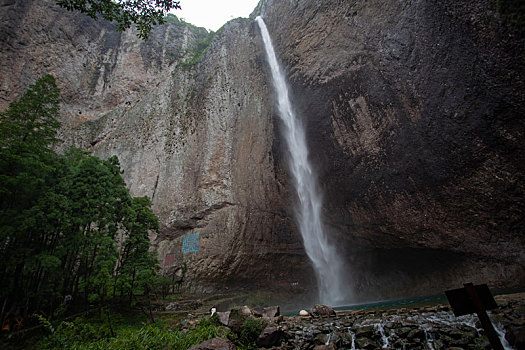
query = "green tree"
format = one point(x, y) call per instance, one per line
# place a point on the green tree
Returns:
point(137, 266)
point(144, 13)
point(29, 173)
point(64, 217)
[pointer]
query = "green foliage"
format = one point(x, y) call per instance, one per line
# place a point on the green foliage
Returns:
point(86, 335)
point(197, 52)
point(143, 13)
point(250, 331)
point(67, 222)
point(170, 18)
point(30, 123)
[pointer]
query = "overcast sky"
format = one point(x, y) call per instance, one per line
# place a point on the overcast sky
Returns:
point(212, 14)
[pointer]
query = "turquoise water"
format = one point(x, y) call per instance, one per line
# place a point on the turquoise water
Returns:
point(397, 303)
point(406, 302)
point(387, 304)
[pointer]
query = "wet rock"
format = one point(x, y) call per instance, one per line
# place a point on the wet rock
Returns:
point(516, 337)
point(325, 347)
point(366, 343)
point(321, 339)
point(365, 331)
point(403, 331)
point(322, 311)
point(416, 333)
point(271, 311)
point(271, 336)
point(215, 344)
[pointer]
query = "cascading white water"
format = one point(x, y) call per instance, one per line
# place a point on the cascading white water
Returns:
point(327, 264)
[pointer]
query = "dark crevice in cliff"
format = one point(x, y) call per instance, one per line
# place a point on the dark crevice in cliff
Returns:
point(155, 187)
point(197, 220)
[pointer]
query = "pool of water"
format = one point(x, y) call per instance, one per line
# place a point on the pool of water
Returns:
point(396, 303)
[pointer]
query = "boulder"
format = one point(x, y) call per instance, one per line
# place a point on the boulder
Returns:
point(365, 331)
point(321, 339)
point(236, 319)
point(223, 317)
point(322, 311)
point(215, 344)
point(271, 336)
point(366, 343)
point(271, 311)
point(516, 337)
point(245, 310)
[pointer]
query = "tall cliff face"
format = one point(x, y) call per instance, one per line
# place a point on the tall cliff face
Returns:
point(413, 114)
point(415, 120)
point(191, 125)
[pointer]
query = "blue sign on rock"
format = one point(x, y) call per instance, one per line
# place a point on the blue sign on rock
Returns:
point(190, 243)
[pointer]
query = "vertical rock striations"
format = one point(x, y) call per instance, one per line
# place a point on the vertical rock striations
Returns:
point(413, 113)
point(415, 110)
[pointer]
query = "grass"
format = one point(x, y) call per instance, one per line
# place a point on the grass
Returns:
point(98, 333)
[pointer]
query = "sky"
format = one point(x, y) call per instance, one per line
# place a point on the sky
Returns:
point(212, 14)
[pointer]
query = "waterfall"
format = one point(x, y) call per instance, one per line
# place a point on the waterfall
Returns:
point(326, 262)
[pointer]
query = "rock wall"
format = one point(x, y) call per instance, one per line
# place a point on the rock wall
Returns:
point(414, 121)
point(196, 136)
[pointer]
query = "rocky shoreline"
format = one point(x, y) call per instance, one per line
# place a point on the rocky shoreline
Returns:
point(424, 327)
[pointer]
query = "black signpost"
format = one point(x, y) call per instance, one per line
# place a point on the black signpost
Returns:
point(476, 299)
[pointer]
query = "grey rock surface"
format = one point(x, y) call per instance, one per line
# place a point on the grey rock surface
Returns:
point(414, 120)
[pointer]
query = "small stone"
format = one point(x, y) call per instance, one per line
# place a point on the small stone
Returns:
point(303, 313)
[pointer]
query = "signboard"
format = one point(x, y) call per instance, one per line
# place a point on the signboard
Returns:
point(190, 243)
point(462, 303)
point(476, 299)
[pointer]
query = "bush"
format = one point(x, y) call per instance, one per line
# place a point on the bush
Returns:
point(249, 333)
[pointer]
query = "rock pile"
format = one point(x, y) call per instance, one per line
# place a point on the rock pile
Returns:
point(429, 327)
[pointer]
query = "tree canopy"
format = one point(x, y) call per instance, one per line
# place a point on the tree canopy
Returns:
point(68, 225)
point(144, 13)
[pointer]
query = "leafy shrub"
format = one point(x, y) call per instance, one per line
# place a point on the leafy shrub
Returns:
point(250, 331)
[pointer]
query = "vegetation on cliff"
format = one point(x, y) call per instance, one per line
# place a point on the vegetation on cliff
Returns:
point(143, 13)
point(68, 225)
